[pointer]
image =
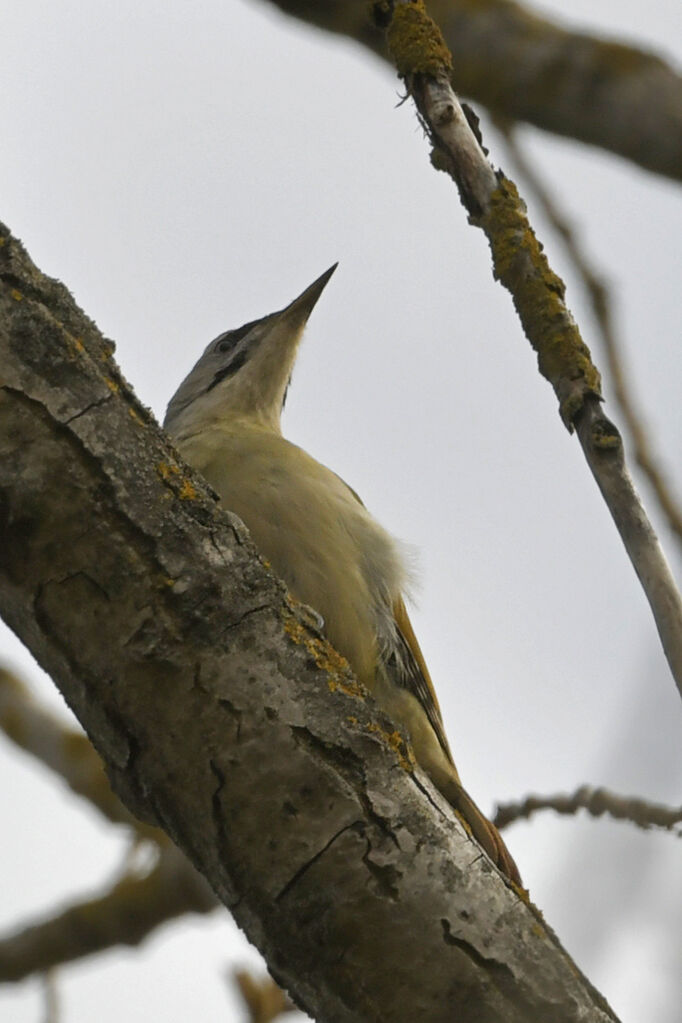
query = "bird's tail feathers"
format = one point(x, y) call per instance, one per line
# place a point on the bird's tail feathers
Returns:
point(483, 830)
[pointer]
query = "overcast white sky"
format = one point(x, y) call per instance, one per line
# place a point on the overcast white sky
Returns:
point(187, 167)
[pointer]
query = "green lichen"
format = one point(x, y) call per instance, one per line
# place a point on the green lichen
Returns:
point(520, 264)
point(416, 43)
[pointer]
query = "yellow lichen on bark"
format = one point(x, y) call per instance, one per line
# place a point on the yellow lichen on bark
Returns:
point(520, 264)
point(416, 43)
point(397, 742)
point(182, 486)
point(324, 656)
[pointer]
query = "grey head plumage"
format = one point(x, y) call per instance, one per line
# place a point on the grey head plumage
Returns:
point(244, 372)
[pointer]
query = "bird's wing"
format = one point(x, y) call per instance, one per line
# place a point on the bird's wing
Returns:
point(407, 666)
point(410, 671)
point(415, 677)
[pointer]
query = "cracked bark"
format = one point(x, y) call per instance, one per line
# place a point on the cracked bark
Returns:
point(242, 734)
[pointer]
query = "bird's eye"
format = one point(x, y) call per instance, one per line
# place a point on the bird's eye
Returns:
point(231, 338)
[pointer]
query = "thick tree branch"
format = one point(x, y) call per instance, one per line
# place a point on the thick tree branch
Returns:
point(597, 802)
point(520, 264)
point(222, 715)
point(526, 68)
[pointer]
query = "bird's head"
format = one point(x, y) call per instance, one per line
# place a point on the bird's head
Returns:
point(244, 373)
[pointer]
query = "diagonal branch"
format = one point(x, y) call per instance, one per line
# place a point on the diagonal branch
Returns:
point(133, 907)
point(520, 264)
point(68, 753)
point(600, 300)
point(222, 715)
point(597, 802)
point(125, 915)
point(528, 68)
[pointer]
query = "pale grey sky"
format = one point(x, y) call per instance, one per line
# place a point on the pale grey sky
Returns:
point(185, 168)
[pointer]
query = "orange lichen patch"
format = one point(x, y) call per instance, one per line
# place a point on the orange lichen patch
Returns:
point(396, 741)
point(347, 685)
point(187, 492)
point(325, 657)
point(182, 486)
point(166, 471)
point(76, 348)
point(133, 415)
point(112, 385)
point(16, 295)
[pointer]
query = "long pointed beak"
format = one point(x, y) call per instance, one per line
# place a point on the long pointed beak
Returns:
point(300, 309)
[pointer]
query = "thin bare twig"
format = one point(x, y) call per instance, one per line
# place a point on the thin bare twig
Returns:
point(597, 802)
point(520, 264)
point(602, 308)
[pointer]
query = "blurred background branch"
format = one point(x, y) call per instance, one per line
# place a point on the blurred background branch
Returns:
point(597, 802)
point(138, 902)
point(124, 915)
point(526, 67)
point(264, 999)
point(67, 752)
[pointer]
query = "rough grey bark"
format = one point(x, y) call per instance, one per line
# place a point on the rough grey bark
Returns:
point(524, 67)
point(223, 716)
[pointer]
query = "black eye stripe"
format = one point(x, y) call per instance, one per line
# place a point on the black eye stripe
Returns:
point(229, 370)
point(227, 341)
